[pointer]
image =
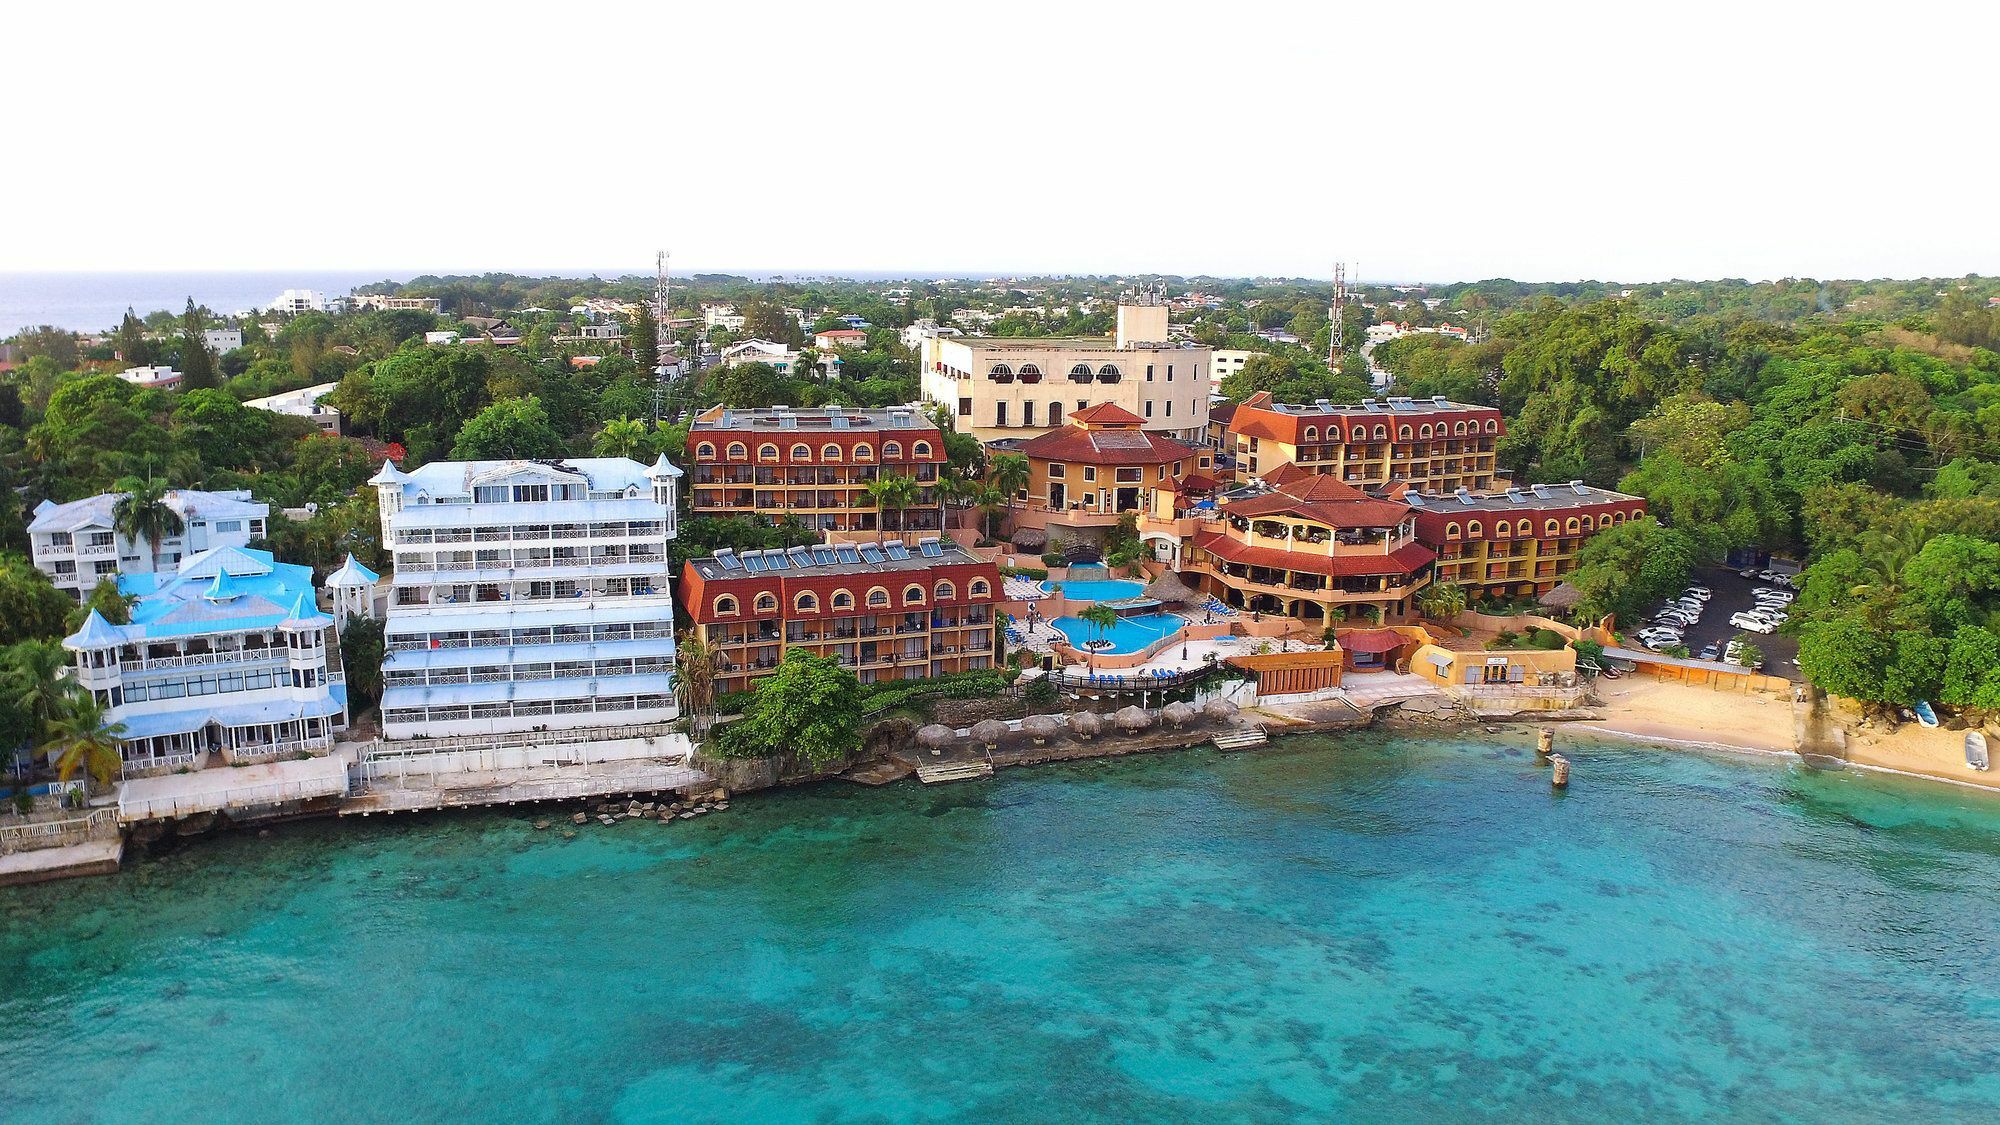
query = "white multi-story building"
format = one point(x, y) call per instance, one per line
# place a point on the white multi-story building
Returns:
point(528, 595)
point(220, 340)
point(160, 375)
point(76, 544)
point(722, 316)
point(226, 661)
point(295, 301)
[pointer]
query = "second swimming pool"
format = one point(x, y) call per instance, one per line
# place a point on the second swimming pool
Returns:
point(1130, 634)
point(1085, 585)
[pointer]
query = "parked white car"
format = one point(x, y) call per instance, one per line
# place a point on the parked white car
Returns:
point(1753, 624)
point(1702, 592)
point(1775, 597)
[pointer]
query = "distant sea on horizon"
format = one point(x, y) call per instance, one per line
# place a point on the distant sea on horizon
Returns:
point(94, 302)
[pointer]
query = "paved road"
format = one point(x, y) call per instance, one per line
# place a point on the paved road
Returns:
point(1732, 595)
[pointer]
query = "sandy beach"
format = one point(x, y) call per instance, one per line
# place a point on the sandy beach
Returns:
point(1933, 752)
point(1673, 712)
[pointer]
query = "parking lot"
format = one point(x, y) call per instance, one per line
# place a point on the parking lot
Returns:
point(1732, 596)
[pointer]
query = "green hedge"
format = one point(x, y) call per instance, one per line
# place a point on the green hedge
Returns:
point(888, 694)
point(1034, 572)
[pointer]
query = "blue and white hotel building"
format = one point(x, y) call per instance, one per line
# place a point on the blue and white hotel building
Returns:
point(227, 661)
point(528, 595)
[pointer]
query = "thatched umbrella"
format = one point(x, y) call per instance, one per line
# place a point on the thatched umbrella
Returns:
point(1031, 539)
point(1086, 724)
point(1564, 596)
point(989, 732)
point(1133, 719)
point(1168, 589)
point(1178, 714)
point(936, 737)
point(1219, 709)
point(1041, 728)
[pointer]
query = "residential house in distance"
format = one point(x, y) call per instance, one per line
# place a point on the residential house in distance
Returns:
point(915, 335)
point(220, 340)
point(161, 376)
point(815, 466)
point(1518, 542)
point(888, 611)
point(441, 337)
point(368, 301)
point(527, 595)
point(761, 351)
point(495, 330)
point(1315, 549)
point(303, 403)
point(227, 661)
point(1227, 362)
point(722, 316)
point(603, 338)
point(1103, 464)
point(76, 544)
point(1006, 387)
point(834, 339)
point(1432, 445)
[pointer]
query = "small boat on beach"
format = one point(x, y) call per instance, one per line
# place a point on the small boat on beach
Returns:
point(1975, 749)
point(1925, 715)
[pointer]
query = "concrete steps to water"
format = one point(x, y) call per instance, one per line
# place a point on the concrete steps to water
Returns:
point(1241, 739)
point(933, 774)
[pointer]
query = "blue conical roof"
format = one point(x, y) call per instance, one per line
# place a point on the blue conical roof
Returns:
point(96, 633)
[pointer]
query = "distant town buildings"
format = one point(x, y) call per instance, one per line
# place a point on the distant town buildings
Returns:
point(761, 351)
point(292, 302)
point(722, 316)
point(528, 595)
point(364, 302)
point(815, 466)
point(836, 338)
point(227, 659)
point(1002, 387)
point(886, 611)
point(220, 340)
point(77, 544)
point(305, 403)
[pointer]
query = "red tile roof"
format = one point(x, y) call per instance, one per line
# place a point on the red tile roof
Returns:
point(1326, 500)
point(1403, 560)
point(1107, 414)
point(1107, 447)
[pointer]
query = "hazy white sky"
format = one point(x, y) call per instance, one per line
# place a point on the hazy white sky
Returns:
point(1428, 141)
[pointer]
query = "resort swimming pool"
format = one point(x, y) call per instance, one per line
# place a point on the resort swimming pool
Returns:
point(1130, 634)
point(1085, 585)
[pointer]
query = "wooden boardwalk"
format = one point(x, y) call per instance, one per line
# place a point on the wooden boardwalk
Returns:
point(932, 774)
point(1244, 738)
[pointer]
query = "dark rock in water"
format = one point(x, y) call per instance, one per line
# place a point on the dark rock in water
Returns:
point(218, 1019)
point(541, 826)
point(107, 1011)
point(580, 818)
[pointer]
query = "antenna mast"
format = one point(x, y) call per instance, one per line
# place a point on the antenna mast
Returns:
point(1333, 315)
point(662, 295)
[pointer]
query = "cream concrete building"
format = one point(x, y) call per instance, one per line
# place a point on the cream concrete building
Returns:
point(1007, 387)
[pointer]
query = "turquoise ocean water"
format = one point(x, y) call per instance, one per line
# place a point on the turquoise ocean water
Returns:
point(1367, 929)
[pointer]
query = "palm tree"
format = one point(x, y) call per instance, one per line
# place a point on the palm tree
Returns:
point(955, 491)
point(40, 691)
point(82, 739)
point(1009, 474)
point(1441, 601)
point(991, 502)
point(142, 515)
point(1103, 618)
point(620, 437)
point(695, 680)
point(891, 491)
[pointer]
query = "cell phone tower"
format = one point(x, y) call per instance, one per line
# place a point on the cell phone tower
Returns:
point(662, 298)
point(1334, 317)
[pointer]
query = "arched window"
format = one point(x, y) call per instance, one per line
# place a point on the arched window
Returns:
point(1312, 433)
point(979, 588)
point(892, 451)
point(1425, 431)
point(1492, 426)
point(1571, 526)
point(1549, 527)
point(1000, 373)
point(864, 452)
point(913, 595)
point(1474, 530)
point(878, 597)
point(1589, 522)
point(843, 600)
point(1458, 429)
point(738, 451)
point(945, 591)
point(921, 451)
point(1501, 529)
point(1030, 373)
point(767, 452)
point(767, 603)
point(705, 451)
point(725, 605)
point(1451, 531)
point(1524, 528)
point(829, 452)
point(802, 452)
point(1080, 373)
point(1381, 431)
point(1402, 433)
point(806, 602)
point(1108, 374)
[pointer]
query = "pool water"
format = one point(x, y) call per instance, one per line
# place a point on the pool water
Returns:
point(1085, 585)
point(1130, 634)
